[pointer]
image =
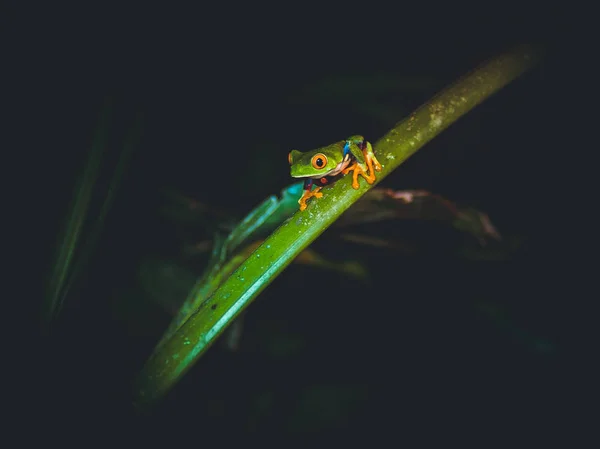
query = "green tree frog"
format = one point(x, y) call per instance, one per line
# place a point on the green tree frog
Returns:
point(320, 167)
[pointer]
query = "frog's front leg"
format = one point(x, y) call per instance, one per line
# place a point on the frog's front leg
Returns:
point(367, 168)
point(309, 193)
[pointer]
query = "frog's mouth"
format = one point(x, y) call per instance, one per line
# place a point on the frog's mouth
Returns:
point(334, 171)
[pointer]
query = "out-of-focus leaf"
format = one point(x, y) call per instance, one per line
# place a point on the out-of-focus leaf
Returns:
point(386, 204)
point(67, 245)
point(349, 268)
point(405, 247)
point(73, 254)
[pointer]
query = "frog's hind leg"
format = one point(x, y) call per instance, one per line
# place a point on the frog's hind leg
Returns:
point(356, 169)
point(370, 158)
point(371, 161)
point(366, 170)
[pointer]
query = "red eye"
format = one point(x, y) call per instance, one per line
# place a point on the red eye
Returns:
point(290, 158)
point(319, 161)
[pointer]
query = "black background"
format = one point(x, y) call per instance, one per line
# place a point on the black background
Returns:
point(213, 84)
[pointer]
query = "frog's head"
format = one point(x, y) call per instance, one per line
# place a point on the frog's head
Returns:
point(316, 164)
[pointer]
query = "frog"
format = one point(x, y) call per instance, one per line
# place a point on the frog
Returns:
point(322, 166)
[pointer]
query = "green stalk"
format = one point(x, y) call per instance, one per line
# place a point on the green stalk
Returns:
point(176, 355)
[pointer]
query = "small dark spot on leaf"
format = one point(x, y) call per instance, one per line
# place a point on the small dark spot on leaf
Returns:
point(213, 307)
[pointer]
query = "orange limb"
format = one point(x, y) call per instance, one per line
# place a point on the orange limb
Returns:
point(309, 194)
point(373, 160)
point(357, 170)
point(369, 175)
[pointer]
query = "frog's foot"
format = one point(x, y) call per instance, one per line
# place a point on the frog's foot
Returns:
point(370, 159)
point(366, 170)
point(309, 194)
point(356, 169)
point(372, 165)
point(373, 162)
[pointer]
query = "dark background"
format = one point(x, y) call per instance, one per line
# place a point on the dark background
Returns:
point(222, 93)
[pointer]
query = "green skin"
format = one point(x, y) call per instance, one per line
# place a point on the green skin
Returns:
point(337, 159)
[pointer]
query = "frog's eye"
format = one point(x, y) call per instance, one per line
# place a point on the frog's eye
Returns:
point(290, 158)
point(319, 161)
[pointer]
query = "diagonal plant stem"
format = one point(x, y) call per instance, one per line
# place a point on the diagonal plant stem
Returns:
point(176, 355)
